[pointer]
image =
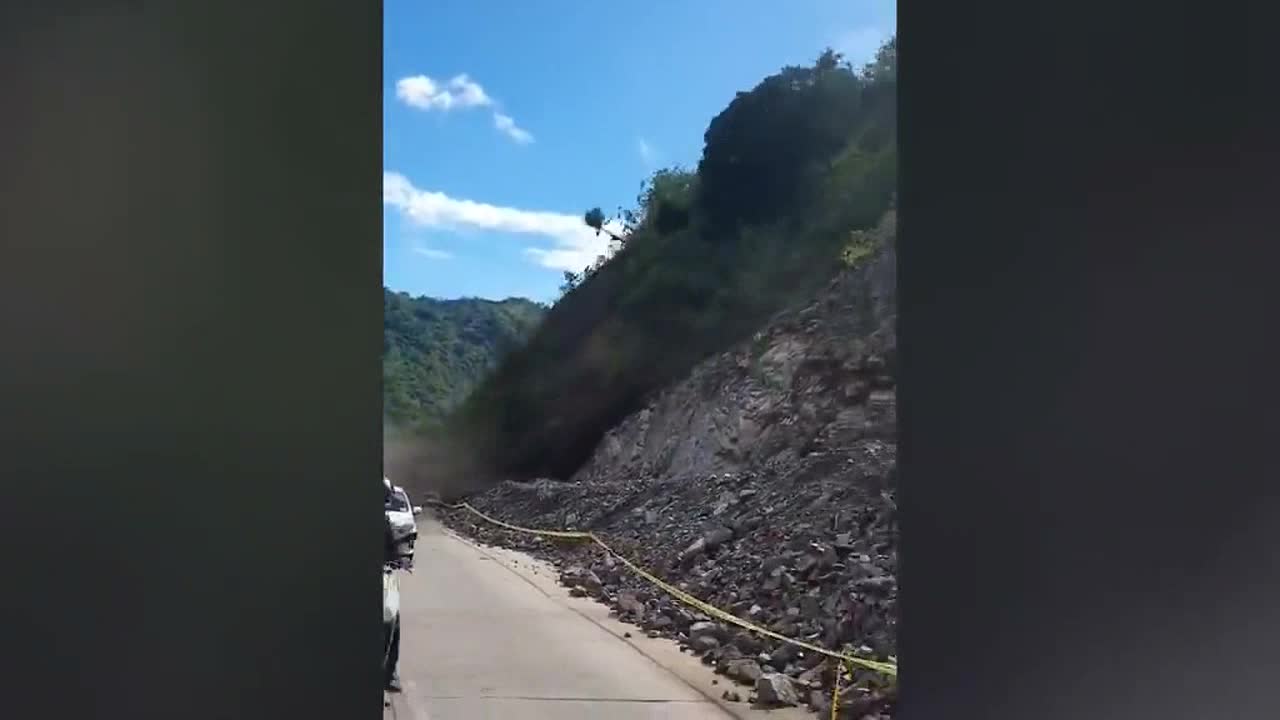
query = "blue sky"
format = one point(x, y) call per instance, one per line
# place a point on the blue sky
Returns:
point(505, 120)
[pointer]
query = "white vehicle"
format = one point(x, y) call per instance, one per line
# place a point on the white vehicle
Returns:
point(390, 629)
point(401, 515)
point(404, 533)
point(390, 597)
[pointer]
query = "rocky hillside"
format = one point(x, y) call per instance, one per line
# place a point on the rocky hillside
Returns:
point(435, 351)
point(704, 259)
point(762, 483)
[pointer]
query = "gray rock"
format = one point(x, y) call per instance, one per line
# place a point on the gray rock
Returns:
point(716, 538)
point(820, 702)
point(805, 563)
point(572, 574)
point(776, 690)
point(747, 642)
point(785, 626)
point(695, 548)
point(727, 500)
point(706, 629)
point(878, 585)
point(774, 564)
point(743, 670)
point(704, 643)
point(785, 654)
point(628, 602)
point(856, 702)
point(816, 676)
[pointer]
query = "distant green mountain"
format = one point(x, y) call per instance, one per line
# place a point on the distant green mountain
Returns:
point(435, 351)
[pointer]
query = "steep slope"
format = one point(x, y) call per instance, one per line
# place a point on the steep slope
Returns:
point(435, 351)
point(788, 170)
point(763, 483)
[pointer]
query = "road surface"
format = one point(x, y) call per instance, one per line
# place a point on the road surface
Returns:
point(488, 633)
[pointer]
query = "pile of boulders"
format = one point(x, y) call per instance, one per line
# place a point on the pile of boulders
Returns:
point(763, 485)
point(814, 560)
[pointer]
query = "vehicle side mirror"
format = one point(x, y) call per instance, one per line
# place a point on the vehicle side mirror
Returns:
point(417, 509)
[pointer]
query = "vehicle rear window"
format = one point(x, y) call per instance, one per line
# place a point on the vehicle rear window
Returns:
point(398, 502)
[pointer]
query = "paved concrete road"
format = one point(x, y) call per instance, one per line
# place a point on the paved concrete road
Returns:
point(486, 634)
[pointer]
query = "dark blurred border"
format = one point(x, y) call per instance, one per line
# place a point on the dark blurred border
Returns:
point(191, 314)
point(1088, 394)
point(190, 371)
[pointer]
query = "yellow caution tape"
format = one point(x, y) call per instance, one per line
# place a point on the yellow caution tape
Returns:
point(886, 668)
point(835, 690)
point(571, 534)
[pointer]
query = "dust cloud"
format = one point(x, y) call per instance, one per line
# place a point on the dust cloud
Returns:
point(429, 466)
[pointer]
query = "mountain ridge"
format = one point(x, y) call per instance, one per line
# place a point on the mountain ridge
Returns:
point(436, 349)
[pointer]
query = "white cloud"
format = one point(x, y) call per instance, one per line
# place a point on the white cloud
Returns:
point(460, 93)
point(859, 46)
point(574, 260)
point(647, 154)
point(508, 127)
point(433, 254)
point(468, 93)
point(575, 245)
point(424, 93)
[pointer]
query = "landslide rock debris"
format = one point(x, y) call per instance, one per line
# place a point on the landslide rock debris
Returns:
point(763, 484)
point(776, 690)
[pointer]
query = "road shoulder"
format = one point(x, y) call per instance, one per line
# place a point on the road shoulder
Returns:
point(542, 576)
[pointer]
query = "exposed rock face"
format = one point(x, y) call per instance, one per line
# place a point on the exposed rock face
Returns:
point(763, 484)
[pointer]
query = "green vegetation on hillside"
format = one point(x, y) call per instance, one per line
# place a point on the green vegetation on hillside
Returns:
point(790, 171)
point(435, 351)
